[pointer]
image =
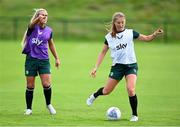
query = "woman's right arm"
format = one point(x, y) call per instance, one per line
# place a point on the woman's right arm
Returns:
point(30, 28)
point(35, 21)
point(99, 60)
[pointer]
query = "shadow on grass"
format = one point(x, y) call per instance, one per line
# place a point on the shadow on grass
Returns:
point(117, 120)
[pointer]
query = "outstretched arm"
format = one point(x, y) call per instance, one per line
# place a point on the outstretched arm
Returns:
point(151, 36)
point(99, 60)
point(54, 52)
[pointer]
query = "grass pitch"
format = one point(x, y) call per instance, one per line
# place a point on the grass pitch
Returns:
point(157, 87)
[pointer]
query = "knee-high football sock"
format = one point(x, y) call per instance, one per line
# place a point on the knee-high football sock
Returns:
point(133, 102)
point(47, 94)
point(99, 92)
point(29, 97)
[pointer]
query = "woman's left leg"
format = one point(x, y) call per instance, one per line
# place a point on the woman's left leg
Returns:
point(46, 83)
point(130, 85)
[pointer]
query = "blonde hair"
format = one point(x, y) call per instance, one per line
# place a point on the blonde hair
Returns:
point(114, 18)
point(35, 15)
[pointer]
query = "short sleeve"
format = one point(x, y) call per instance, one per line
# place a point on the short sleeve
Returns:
point(51, 35)
point(105, 42)
point(135, 34)
point(29, 31)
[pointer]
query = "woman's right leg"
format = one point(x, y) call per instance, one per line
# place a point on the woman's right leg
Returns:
point(110, 85)
point(29, 91)
point(107, 89)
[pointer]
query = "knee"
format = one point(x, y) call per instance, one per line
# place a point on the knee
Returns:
point(131, 91)
point(46, 84)
point(106, 91)
point(30, 85)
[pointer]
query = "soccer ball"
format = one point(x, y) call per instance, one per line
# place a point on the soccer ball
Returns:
point(113, 113)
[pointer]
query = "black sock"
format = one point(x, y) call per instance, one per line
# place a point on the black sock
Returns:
point(99, 92)
point(29, 97)
point(47, 94)
point(133, 102)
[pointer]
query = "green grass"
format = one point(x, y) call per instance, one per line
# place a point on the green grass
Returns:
point(157, 88)
point(90, 9)
point(144, 16)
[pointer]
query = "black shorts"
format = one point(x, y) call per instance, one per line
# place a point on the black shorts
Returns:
point(118, 71)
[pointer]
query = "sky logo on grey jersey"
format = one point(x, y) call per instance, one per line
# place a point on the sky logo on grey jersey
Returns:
point(121, 46)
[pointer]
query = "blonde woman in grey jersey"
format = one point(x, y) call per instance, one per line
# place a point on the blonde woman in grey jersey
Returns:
point(124, 64)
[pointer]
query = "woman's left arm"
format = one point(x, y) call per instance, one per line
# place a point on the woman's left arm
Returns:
point(54, 52)
point(151, 36)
